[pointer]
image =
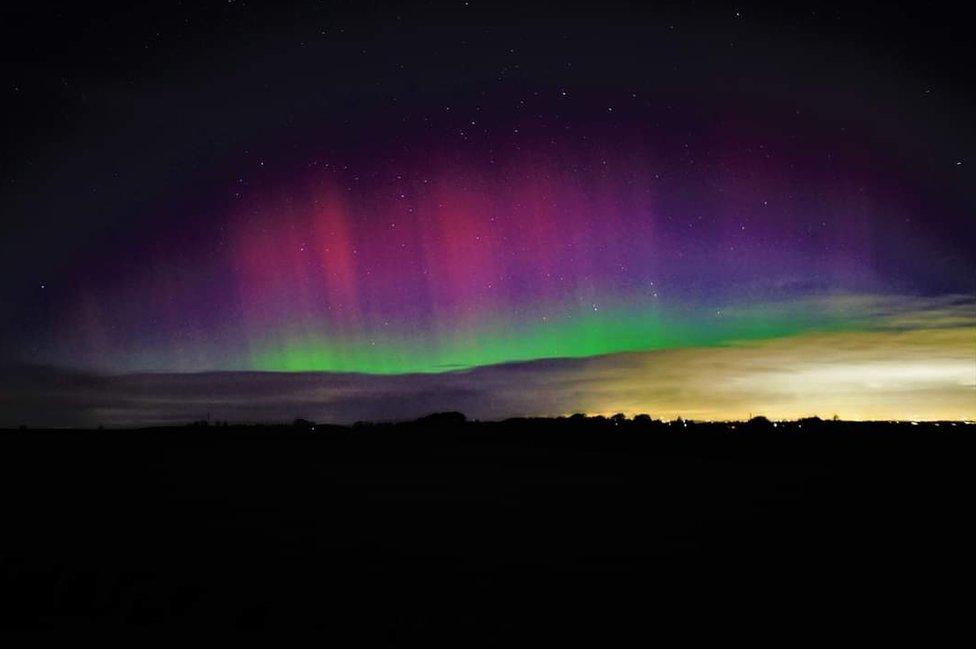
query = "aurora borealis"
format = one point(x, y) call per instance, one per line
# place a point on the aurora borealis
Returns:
point(458, 269)
point(459, 196)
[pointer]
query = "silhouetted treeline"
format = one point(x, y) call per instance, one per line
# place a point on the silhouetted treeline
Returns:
point(619, 423)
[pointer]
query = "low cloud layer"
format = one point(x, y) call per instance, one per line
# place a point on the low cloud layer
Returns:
point(919, 362)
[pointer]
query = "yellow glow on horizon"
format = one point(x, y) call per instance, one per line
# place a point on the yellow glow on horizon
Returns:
point(920, 374)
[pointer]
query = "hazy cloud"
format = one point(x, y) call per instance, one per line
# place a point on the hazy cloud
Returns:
point(917, 362)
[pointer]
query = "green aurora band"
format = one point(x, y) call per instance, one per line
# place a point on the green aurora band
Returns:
point(590, 331)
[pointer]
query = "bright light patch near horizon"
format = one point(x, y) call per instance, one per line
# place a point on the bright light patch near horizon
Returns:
point(924, 374)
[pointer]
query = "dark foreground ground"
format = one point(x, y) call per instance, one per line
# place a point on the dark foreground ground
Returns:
point(492, 533)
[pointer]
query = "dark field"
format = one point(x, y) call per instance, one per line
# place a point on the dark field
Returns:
point(487, 533)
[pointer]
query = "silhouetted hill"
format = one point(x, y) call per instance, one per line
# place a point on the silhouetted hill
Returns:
point(443, 528)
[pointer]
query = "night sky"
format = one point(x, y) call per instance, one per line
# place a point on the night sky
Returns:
point(363, 211)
